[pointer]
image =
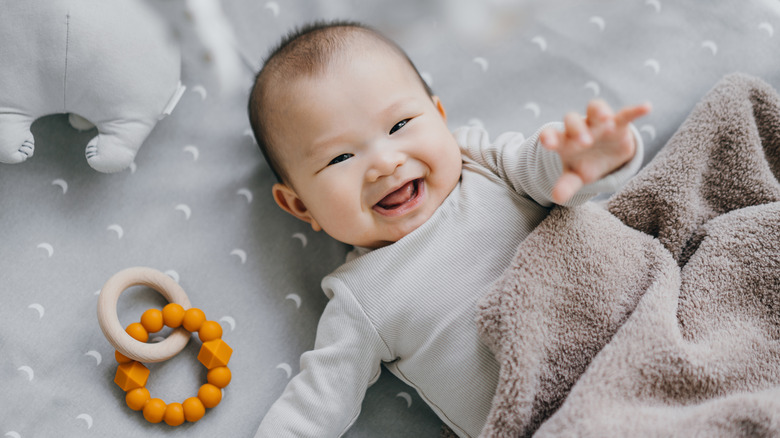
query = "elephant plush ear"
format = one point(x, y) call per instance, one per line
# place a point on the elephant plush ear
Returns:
point(112, 65)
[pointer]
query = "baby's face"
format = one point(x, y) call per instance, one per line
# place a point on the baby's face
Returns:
point(367, 151)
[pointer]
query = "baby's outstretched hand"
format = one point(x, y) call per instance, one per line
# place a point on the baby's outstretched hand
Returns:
point(591, 147)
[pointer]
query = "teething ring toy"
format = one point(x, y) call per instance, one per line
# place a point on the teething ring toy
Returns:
point(131, 375)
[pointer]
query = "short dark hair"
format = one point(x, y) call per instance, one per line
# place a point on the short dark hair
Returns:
point(306, 50)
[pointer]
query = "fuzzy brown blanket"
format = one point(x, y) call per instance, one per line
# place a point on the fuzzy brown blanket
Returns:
point(659, 316)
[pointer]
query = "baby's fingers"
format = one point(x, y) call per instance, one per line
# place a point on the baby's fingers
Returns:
point(566, 186)
point(550, 138)
point(598, 112)
point(631, 113)
point(576, 129)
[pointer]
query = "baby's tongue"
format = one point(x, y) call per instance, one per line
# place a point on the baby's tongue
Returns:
point(398, 197)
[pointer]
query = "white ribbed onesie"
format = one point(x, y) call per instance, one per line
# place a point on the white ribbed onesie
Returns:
point(411, 305)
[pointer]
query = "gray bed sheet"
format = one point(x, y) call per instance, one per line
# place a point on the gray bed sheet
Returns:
point(197, 204)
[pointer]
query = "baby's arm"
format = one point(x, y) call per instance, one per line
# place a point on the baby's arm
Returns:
point(324, 399)
point(591, 147)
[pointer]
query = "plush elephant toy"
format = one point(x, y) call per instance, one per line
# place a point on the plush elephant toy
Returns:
point(109, 63)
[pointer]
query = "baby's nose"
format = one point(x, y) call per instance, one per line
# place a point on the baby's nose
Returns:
point(384, 164)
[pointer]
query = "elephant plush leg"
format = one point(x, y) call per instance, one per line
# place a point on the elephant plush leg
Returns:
point(16, 140)
point(114, 148)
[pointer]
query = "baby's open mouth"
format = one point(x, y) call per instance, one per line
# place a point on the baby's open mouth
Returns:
point(401, 200)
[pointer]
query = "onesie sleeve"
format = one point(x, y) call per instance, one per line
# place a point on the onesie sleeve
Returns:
point(325, 398)
point(530, 169)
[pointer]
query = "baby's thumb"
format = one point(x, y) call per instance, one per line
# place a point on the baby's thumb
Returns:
point(567, 185)
point(628, 115)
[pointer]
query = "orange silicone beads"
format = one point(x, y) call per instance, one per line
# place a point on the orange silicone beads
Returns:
point(209, 331)
point(193, 318)
point(173, 314)
point(121, 358)
point(137, 331)
point(210, 395)
point(152, 320)
point(193, 409)
point(131, 375)
point(214, 354)
point(219, 376)
point(154, 410)
point(136, 398)
point(174, 414)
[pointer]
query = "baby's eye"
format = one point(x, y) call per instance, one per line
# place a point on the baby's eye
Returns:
point(340, 158)
point(399, 125)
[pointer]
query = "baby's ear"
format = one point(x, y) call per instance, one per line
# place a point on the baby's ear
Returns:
point(440, 107)
point(289, 201)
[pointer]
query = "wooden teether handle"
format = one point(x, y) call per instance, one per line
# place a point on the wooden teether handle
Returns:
point(115, 333)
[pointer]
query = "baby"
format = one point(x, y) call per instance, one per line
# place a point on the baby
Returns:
point(361, 148)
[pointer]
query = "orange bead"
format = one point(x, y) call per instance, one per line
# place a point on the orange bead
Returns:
point(131, 375)
point(174, 414)
point(154, 410)
point(152, 320)
point(209, 331)
point(193, 318)
point(121, 358)
point(136, 399)
point(215, 354)
point(210, 395)
point(137, 332)
point(173, 314)
point(193, 409)
point(219, 377)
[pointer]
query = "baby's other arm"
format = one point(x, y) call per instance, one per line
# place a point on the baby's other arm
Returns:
point(593, 146)
point(324, 399)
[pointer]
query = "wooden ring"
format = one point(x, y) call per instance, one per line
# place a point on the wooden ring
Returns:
point(115, 333)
